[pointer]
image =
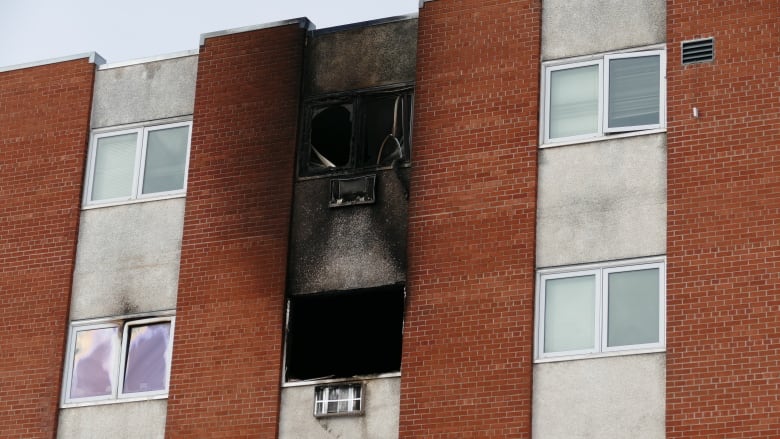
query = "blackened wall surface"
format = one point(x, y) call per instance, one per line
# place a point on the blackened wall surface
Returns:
point(227, 352)
point(361, 57)
point(723, 307)
point(349, 247)
point(467, 351)
point(44, 126)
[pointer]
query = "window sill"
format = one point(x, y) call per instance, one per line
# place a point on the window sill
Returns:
point(599, 355)
point(136, 201)
point(313, 382)
point(602, 138)
point(113, 401)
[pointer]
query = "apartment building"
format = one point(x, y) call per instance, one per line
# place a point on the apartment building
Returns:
point(506, 219)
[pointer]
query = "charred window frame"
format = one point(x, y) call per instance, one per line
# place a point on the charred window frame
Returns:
point(357, 130)
point(344, 334)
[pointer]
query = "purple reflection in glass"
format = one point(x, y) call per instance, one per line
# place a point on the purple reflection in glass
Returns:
point(147, 361)
point(93, 363)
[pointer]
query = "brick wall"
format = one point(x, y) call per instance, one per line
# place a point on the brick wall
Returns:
point(44, 127)
point(723, 316)
point(228, 344)
point(467, 354)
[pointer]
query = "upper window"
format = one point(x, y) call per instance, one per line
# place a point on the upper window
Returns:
point(138, 163)
point(600, 309)
point(118, 359)
point(614, 93)
point(357, 131)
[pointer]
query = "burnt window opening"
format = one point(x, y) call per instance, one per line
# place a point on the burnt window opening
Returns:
point(361, 130)
point(344, 334)
point(331, 136)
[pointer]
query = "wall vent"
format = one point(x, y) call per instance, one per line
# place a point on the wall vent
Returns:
point(696, 51)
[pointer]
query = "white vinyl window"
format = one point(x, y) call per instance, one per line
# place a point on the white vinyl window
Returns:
point(600, 309)
point(118, 359)
point(602, 95)
point(139, 163)
point(338, 399)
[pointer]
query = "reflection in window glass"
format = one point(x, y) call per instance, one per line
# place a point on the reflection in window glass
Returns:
point(569, 314)
point(114, 167)
point(633, 307)
point(574, 101)
point(94, 362)
point(166, 156)
point(147, 359)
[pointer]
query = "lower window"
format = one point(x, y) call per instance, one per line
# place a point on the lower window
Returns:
point(601, 308)
point(338, 399)
point(118, 359)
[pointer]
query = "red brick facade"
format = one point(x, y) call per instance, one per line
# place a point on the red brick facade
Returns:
point(467, 358)
point(228, 348)
point(44, 127)
point(723, 314)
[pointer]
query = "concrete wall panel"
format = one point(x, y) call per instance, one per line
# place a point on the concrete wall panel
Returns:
point(128, 259)
point(582, 27)
point(130, 420)
point(141, 92)
point(380, 420)
point(602, 201)
point(613, 397)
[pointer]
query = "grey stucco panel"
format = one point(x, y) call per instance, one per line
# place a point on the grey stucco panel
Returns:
point(379, 421)
point(602, 201)
point(362, 57)
point(143, 92)
point(127, 259)
point(606, 398)
point(583, 27)
point(132, 420)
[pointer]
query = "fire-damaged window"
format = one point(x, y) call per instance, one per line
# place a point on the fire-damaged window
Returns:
point(359, 130)
point(344, 334)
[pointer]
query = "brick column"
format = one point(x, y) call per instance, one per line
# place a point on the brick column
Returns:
point(467, 354)
point(723, 286)
point(227, 351)
point(44, 128)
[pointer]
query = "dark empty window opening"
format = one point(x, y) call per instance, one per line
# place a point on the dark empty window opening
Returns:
point(344, 334)
point(357, 130)
point(331, 136)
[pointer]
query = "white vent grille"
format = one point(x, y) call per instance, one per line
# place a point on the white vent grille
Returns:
point(697, 51)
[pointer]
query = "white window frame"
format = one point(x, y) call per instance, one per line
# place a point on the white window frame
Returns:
point(136, 193)
point(120, 356)
point(350, 399)
point(602, 60)
point(601, 272)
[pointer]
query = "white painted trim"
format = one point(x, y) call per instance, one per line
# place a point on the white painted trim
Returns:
point(93, 57)
point(304, 23)
point(661, 54)
point(123, 358)
point(145, 60)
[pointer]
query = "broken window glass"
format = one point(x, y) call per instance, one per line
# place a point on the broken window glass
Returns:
point(386, 129)
point(331, 136)
point(345, 334)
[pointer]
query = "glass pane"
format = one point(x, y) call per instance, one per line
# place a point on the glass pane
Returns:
point(332, 407)
point(574, 101)
point(114, 167)
point(634, 91)
point(356, 405)
point(166, 155)
point(147, 360)
point(570, 313)
point(94, 362)
point(633, 307)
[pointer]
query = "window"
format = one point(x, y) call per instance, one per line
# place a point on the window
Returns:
point(139, 163)
point(609, 94)
point(344, 334)
point(601, 309)
point(357, 130)
point(339, 399)
point(118, 359)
